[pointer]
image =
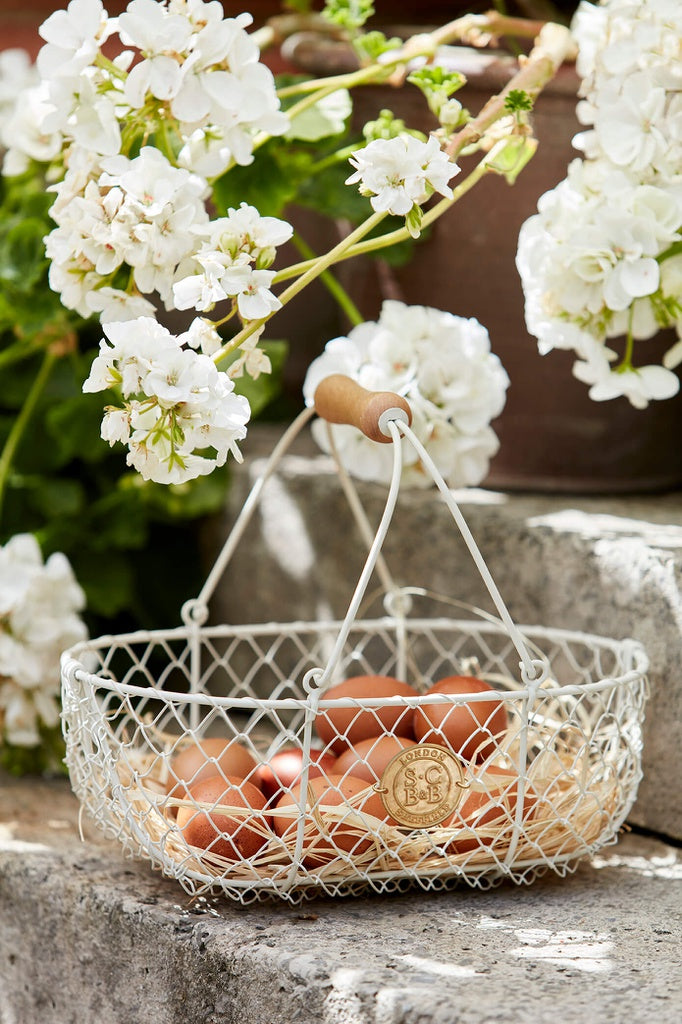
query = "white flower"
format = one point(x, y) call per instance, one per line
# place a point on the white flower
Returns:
point(598, 259)
point(443, 366)
point(232, 260)
point(17, 75)
point(639, 385)
point(141, 213)
point(112, 304)
point(73, 38)
point(402, 172)
point(201, 334)
point(177, 404)
point(251, 287)
point(631, 129)
point(135, 346)
point(39, 618)
point(158, 34)
point(252, 359)
point(24, 134)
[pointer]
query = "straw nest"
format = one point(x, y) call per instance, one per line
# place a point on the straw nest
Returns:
point(573, 796)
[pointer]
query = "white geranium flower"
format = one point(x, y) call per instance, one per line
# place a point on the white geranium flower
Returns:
point(73, 38)
point(17, 75)
point(631, 130)
point(135, 346)
point(231, 264)
point(176, 401)
point(112, 304)
point(639, 385)
point(40, 605)
point(202, 335)
point(251, 288)
point(598, 261)
point(141, 213)
point(400, 173)
point(24, 134)
point(443, 366)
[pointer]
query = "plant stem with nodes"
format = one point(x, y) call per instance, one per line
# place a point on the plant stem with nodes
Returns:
point(23, 419)
point(315, 270)
point(331, 283)
point(554, 44)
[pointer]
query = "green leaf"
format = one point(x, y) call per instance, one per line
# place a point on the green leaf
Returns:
point(181, 503)
point(22, 253)
point(74, 426)
point(269, 183)
point(350, 14)
point(58, 497)
point(327, 192)
point(117, 520)
point(108, 581)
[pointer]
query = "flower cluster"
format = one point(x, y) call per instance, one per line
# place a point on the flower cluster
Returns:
point(600, 259)
point(443, 366)
point(400, 174)
point(231, 258)
point(176, 401)
point(121, 216)
point(192, 86)
point(39, 606)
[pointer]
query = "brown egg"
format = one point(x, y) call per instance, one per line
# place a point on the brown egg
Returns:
point(368, 758)
point(471, 729)
point(233, 836)
point(494, 807)
point(285, 767)
point(321, 846)
point(346, 727)
point(199, 760)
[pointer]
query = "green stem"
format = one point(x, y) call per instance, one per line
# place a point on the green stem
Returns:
point(336, 158)
point(21, 422)
point(166, 146)
point(108, 65)
point(336, 82)
point(673, 250)
point(333, 286)
point(626, 362)
point(318, 267)
point(14, 353)
point(400, 234)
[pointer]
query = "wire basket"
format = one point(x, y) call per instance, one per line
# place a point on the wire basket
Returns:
point(299, 784)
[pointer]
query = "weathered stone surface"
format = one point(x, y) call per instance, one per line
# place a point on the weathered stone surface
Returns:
point(610, 566)
point(87, 937)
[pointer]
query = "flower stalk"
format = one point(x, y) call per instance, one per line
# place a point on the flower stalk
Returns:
point(23, 420)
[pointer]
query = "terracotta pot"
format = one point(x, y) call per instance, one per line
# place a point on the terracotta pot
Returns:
point(553, 437)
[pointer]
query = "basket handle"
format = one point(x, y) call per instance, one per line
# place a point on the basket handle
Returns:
point(340, 399)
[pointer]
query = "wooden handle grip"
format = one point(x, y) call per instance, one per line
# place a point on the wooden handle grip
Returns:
point(340, 399)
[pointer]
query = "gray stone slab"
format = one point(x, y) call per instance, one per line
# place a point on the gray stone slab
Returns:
point(605, 565)
point(87, 937)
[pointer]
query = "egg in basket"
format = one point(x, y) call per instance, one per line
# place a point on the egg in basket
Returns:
point(371, 753)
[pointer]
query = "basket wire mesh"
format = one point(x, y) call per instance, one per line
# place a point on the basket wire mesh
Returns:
point(548, 775)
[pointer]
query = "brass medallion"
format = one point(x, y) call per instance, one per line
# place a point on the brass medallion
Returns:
point(422, 785)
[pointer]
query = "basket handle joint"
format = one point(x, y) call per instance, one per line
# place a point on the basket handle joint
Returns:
point(535, 672)
point(194, 612)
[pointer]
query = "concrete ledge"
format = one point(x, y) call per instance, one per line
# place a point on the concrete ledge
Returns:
point(610, 566)
point(87, 937)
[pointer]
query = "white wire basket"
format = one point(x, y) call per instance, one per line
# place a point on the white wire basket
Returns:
point(383, 795)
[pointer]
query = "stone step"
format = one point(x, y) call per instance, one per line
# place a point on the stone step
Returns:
point(87, 937)
point(605, 565)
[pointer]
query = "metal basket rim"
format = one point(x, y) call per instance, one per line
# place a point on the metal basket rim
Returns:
point(71, 668)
